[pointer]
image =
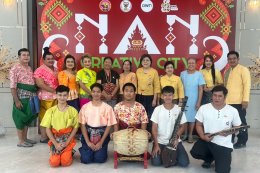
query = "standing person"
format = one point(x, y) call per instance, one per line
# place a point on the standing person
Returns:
point(46, 79)
point(126, 77)
point(164, 121)
point(238, 82)
point(211, 118)
point(148, 86)
point(67, 77)
point(211, 76)
point(170, 79)
point(85, 77)
point(23, 88)
point(130, 113)
point(110, 82)
point(96, 118)
point(61, 123)
point(193, 88)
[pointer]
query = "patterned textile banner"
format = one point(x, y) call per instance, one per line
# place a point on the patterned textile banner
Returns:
point(125, 29)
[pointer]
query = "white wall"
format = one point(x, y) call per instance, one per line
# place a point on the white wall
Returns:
point(248, 45)
point(13, 36)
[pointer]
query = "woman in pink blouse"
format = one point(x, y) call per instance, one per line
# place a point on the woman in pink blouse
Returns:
point(23, 89)
point(46, 80)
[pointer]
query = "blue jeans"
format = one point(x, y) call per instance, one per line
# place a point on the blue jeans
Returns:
point(182, 157)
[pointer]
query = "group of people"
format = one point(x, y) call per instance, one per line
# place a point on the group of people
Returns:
point(96, 102)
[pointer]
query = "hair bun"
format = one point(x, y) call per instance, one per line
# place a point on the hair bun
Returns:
point(46, 50)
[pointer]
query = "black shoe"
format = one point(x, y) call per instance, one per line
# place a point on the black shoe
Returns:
point(206, 165)
point(45, 141)
point(239, 145)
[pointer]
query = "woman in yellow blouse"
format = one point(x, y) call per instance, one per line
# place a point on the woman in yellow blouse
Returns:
point(169, 79)
point(85, 77)
point(211, 76)
point(148, 86)
point(67, 77)
point(127, 76)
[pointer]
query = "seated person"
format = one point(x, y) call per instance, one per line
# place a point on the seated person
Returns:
point(61, 122)
point(163, 118)
point(129, 112)
point(96, 118)
point(211, 118)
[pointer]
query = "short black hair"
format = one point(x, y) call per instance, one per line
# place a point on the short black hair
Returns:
point(108, 57)
point(22, 50)
point(168, 63)
point(220, 88)
point(144, 56)
point(232, 52)
point(98, 85)
point(130, 85)
point(62, 88)
point(168, 89)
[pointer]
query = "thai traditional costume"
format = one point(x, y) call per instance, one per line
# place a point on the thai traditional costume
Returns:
point(132, 116)
point(126, 78)
point(88, 78)
point(21, 79)
point(96, 119)
point(207, 75)
point(47, 99)
point(109, 82)
point(148, 86)
point(61, 124)
point(69, 80)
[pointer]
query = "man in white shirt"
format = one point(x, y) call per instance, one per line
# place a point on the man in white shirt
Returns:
point(211, 118)
point(164, 119)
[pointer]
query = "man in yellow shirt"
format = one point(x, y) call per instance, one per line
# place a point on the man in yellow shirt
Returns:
point(237, 80)
point(61, 122)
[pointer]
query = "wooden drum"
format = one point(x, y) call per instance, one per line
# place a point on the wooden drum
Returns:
point(131, 141)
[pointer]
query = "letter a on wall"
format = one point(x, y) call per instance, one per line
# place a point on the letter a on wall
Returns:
point(124, 43)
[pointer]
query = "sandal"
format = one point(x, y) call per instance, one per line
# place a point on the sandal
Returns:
point(30, 141)
point(184, 138)
point(190, 140)
point(24, 144)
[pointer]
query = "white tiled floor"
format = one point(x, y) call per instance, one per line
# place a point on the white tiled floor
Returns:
point(35, 159)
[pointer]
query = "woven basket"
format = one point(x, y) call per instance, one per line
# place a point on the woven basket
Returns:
point(131, 141)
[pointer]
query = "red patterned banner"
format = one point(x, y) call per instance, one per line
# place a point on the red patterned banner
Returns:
point(125, 29)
